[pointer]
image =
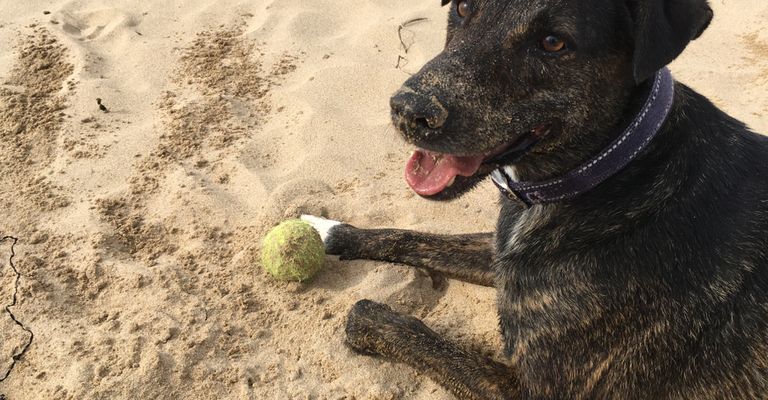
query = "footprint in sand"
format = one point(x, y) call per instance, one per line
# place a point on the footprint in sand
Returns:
point(90, 26)
point(310, 26)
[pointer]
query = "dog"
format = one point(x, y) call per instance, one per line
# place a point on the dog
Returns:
point(631, 251)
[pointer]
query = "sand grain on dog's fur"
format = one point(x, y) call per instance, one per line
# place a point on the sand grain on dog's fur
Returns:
point(140, 228)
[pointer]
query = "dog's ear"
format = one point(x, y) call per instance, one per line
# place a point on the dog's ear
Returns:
point(662, 29)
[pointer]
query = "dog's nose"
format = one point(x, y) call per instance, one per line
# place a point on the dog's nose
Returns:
point(418, 109)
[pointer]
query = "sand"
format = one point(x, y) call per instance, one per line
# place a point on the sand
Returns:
point(139, 228)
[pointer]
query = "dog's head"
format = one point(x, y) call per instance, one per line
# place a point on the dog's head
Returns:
point(533, 76)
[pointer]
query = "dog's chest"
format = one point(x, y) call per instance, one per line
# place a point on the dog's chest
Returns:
point(519, 229)
point(530, 279)
point(544, 299)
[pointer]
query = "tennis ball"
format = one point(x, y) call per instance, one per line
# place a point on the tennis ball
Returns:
point(293, 251)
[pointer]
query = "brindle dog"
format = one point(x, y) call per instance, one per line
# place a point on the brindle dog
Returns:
point(654, 284)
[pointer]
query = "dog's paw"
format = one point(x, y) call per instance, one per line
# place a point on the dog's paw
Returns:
point(322, 226)
point(339, 238)
point(361, 334)
point(375, 329)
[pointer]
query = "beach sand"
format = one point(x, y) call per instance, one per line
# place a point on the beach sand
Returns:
point(139, 228)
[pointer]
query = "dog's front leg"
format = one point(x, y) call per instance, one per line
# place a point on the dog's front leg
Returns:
point(464, 257)
point(374, 329)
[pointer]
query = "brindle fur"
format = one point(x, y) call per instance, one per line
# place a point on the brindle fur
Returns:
point(654, 285)
point(464, 257)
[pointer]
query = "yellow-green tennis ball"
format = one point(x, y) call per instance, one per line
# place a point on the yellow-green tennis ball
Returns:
point(293, 251)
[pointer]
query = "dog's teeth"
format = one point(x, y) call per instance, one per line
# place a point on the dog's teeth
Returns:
point(451, 182)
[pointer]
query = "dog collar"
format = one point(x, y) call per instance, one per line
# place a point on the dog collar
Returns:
point(611, 160)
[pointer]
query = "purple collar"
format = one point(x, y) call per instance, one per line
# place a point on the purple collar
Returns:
point(610, 161)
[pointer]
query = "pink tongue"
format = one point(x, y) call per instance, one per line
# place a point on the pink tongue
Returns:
point(429, 173)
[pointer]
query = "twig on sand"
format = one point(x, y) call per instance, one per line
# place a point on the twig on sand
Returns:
point(16, 357)
point(402, 60)
point(404, 25)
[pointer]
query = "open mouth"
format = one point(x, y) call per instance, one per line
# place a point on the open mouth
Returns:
point(432, 174)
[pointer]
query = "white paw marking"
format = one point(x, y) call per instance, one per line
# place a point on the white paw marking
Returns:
point(321, 225)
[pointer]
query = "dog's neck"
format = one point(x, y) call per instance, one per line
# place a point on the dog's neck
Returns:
point(604, 163)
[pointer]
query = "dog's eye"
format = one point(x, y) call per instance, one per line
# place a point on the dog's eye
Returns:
point(463, 8)
point(553, 44)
